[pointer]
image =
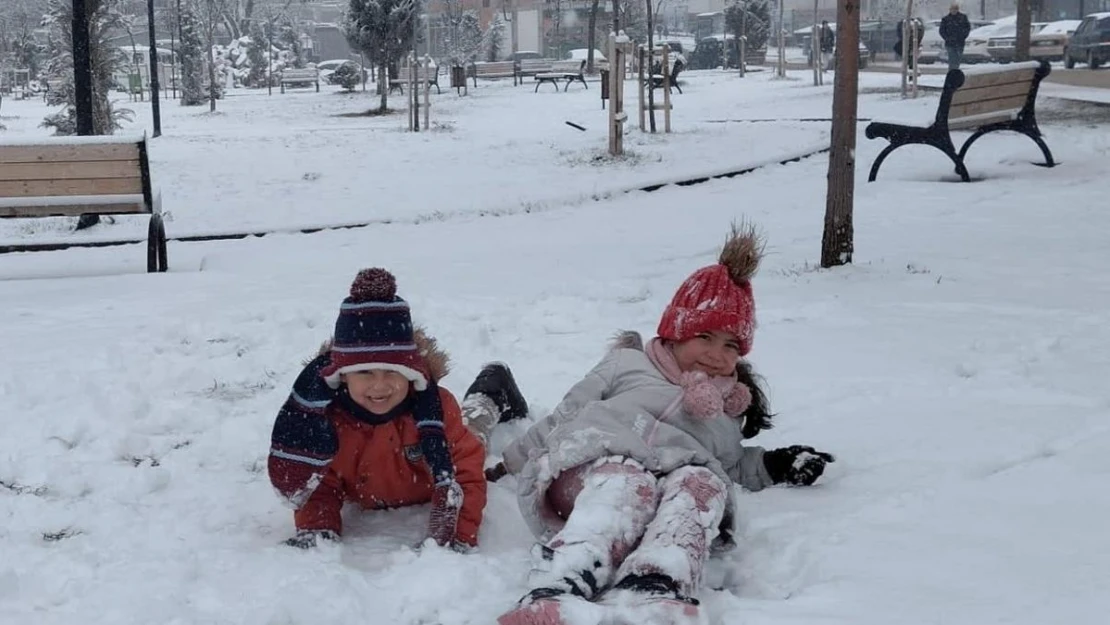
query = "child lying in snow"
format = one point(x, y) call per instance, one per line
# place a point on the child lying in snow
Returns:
point(628, 483)
point(367, 423)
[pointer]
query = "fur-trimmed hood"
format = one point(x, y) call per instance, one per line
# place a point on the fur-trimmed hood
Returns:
point(437, 359)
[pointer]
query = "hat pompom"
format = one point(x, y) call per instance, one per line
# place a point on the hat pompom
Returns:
point(742, 252)
point(738, 400)
point(699, 398)
point(374, 285)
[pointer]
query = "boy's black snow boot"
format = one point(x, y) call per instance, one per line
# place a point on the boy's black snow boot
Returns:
point(496, 382)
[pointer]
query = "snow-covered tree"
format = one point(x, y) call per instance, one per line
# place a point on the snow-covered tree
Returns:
point(191, 53)
point(462, 32)
point(382, 31)
point(106, 60)
point(758, 23)
point(258, 55)
point(493, 41)
point(18, 21)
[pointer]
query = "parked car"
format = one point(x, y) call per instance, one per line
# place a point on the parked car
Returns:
point(1003, 46)
point(932, 45)
point(580, 54)
point(864, 53)
point(975, 49)
point(1049, 44)
point(711, 53)
point(327, 68)
point(1091, 42)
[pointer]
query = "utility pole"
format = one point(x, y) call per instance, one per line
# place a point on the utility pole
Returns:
point(837, 243)
point(82, 69)
point(155, 109)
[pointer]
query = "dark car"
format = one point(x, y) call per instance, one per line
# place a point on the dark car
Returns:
point(710, 53)
point(1091, 42)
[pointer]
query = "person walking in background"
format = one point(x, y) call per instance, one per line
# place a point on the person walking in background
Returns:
point(954, 29)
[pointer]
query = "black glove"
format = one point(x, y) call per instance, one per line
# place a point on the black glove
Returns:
point(307, 539)
point(496, 472)
point(799, 465)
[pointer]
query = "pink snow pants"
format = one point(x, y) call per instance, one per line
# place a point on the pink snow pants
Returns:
point(621, 517)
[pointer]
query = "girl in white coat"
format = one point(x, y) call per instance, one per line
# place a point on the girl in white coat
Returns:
point(627, 484)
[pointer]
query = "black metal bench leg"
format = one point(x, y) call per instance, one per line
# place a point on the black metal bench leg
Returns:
point(880, 158)
point(537, 89)
point(1048, 160)
point(156, 260)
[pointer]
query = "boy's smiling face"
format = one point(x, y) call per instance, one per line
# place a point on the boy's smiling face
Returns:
point(377, 390)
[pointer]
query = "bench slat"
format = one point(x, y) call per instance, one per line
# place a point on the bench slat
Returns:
point(69, 152)
point(973, 81)
point(70, 210)
point(66, 170)
point(983, 107)
point(78, 186)
point(965, 95)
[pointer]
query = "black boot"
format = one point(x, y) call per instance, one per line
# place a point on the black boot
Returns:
point(496, 382)
point(656, 585)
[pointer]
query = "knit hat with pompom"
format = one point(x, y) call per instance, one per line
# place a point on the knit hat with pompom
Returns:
point(374, 331)
point(718, 297)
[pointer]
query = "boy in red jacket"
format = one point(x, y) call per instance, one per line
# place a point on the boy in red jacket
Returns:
point(367, 423)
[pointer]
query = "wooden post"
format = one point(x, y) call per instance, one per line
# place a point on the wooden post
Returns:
point(427, 89)
point(782, 44)
point(642, 96)
point(914, 51)
point(905, 46)
point(743, 39)
point(617, 115)
point(666, 89)
point(815, 47)
point(837, 241)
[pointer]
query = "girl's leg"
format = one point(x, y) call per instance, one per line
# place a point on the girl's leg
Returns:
point(607, 506)
point(676, 544)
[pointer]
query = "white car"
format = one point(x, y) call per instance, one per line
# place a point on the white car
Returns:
point(580, 54)
point(975, 50)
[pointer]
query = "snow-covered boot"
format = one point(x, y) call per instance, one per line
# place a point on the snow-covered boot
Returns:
point(552, 606)
point(654, 598)
point(495, 380)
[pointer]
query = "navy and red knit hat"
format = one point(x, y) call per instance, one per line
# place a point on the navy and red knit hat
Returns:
point(374, 331)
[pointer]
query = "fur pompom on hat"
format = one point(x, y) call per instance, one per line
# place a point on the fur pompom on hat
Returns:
point(719, 297)
point(374, 331)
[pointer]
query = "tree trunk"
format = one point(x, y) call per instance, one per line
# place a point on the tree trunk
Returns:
point(383, 87)
point(651, 68)
point(211, 56)
point(837, 242)
point(591, 37)
point(82, 69)
point(616, 19)
point(1024, 27)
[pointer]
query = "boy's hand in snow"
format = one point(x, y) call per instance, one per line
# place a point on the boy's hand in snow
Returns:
point(798, 465)
point(307, 539)
point(446, 502)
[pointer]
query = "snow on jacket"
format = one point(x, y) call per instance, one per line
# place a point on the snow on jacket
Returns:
point(381, 466)
point(616, 410)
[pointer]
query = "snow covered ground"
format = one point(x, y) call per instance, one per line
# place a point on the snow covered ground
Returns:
point(956, 368)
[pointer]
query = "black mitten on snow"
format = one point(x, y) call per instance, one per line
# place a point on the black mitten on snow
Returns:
point(496, 472)
point(799, 465)
point(307, 539)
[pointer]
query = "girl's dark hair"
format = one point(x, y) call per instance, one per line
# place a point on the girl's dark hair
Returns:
point(758, 415)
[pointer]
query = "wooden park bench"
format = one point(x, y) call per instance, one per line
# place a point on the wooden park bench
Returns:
point(493, 69)
point(657, 79)
point(307, 76)
point(985, 101)
point(531, 67)
point(77, 176)
point(568, 71)
point(424, 75)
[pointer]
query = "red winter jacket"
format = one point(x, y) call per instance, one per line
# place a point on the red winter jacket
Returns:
point(381, 466)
